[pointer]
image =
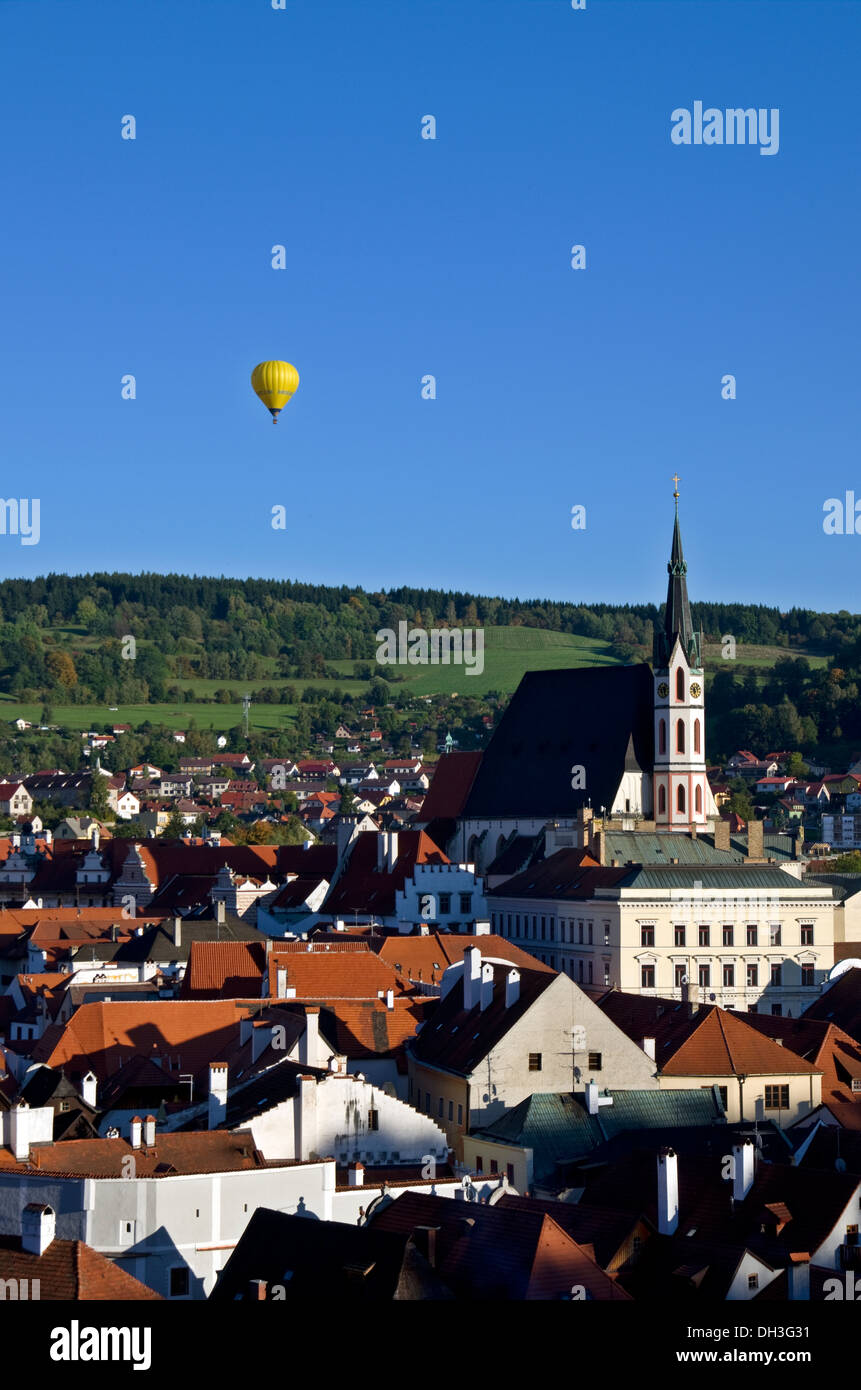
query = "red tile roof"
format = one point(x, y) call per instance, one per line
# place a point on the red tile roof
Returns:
point(70, 1271)
point(224, 970)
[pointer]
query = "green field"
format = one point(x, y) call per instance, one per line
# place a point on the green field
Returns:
point(508, 653)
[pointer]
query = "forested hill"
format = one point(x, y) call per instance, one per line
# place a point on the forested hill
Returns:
point(267, 616)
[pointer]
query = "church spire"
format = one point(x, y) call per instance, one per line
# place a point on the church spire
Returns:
point(677, 619)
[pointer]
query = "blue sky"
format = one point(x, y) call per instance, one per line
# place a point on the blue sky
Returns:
point(555, 387)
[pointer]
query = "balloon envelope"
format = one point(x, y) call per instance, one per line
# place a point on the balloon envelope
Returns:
point(274, 383)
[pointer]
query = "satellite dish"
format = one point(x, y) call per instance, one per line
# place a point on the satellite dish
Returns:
point(851, 963)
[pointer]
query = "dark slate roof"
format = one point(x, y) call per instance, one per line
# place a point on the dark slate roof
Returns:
point(516, 855)
point(450, 784)
point(324, 1260)
point(457, 1039)
point(840, 1004)
point(677, 615)
point(554, 721)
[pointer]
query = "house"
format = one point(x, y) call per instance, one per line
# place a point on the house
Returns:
point(15, 800)
point(507, 1252)
point(756, 1077)
point(317, 769)
point(500, 1033)
point(178, 736)
point(127, 805)
point(42, 1267)
point(329, 1261)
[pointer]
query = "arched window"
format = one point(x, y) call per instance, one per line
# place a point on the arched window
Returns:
point(662, 801)
point(680, 736)
point(680, 798)
point(696, 736)
point(698, 800)
point(662, 736)
point(680, 684)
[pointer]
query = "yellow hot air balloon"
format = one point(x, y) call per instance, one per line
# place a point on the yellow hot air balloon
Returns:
point(274, 383)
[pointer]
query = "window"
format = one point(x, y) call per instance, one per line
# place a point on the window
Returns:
point(494, 1167)
point(774, 934)
point(751, 934)
point(374, 1118)
point(722, 1092)
point(807, 933)
point(440, 1107)
point(705, 976)
point(753, 1281)
point(543, 929)
point(680, 684)
point(460, 1114)
point(777, 975)
point(427, 1102)
point(606, 933)
point(479, 1163)
point(445, 903)
point(580, 932)
point(662, 801)
point(647, 977)
point(127, 1232)
point(451, 1110)
point(647, 935)
point(678, 935)
point(729, 977)
point(807, 979)
point(65, 1105)
point(509, 1172)
point(727, 935)
point(596, 1060)
point(590, 933)
point(698, 798)
point(179, 1281)
point(589, 967)
point(753, 977)
point(777, 1097)
point(606, 974)
point(680, 736)
point(697, 738)
point(535, 1061)
point(662, 736)
point(580, 971)
point(679, 972)
point(465, 902)
point(704, 934)
point(552, 928)
point(680, 799)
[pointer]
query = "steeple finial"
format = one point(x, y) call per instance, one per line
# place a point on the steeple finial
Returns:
point(676, 481)
point(677, 617)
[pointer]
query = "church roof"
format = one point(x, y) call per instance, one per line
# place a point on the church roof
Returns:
point(555, 721)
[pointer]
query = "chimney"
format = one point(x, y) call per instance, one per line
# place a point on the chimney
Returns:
point(135, 1132)
point(221, 912)
point(668, 1192)
point(755, 843)
point(149, 1131)
point(356, 1174)
point(424, 1238)
point(690, 997)
point(471, 976)
point(281, 984)
point(721, 828)
point(592, 1097)
point(257, 1290)
point(177, 931)
point(391, 850)
point(38, 1223)
point(743, 1156)
point(798, 1277)
point(19, 1130)
point(512, 988)
point(486, 986)
point(309, 1046)
point(390, 999)
point(89, 1089)
point(217, 1094)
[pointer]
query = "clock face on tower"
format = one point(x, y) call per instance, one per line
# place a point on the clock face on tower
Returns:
point(696, 691)
point(663, 690)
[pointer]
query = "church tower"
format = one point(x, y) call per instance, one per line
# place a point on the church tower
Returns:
point(682, 796)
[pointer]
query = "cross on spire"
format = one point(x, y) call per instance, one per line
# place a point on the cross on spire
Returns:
point(676, 481)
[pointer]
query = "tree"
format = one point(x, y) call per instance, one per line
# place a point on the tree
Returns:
point(98, 803)
point(348, 802)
